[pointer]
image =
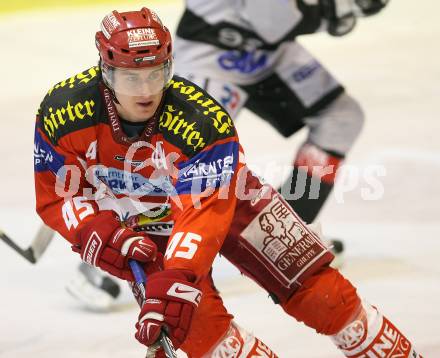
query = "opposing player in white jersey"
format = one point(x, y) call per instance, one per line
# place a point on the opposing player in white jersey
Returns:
point(244, 53)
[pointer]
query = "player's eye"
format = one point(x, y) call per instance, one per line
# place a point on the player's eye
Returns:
point(154, 76)
point(132, 78)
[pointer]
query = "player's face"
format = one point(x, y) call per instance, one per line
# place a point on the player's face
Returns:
point(138, 108)
point(139, 92)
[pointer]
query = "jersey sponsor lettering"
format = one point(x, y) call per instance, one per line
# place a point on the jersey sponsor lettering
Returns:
point(45, 156)
point(132, 162)
point(246, 55)
point(111, 111)
point(219, 118)
point(306, 71)
point(55, 118)
point(243, 61)
point(212, 169)
point(173, 121)
point(79, 79)
point(122, 182)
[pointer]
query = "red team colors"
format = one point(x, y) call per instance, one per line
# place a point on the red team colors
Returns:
point(132, 162)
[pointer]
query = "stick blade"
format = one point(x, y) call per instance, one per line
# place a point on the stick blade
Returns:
point(28, 254)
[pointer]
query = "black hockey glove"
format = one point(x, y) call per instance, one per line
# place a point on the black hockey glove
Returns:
point(369, 7)
point(339, 15)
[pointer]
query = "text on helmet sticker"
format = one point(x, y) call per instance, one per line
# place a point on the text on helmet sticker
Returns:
point(109, 24)
point(142, 37)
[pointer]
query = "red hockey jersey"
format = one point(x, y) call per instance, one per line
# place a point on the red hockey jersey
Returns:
point(180, 172)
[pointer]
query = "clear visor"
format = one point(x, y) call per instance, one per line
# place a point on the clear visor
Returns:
point(145, 81)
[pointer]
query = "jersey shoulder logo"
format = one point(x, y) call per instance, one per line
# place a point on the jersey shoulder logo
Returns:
point(193, 118)
point(77, 81)
point(71, 105)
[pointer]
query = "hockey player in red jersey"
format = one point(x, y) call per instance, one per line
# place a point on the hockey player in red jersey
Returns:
point(135, 163)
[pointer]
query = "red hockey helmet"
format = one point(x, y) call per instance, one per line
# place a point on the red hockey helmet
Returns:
point(135, 40)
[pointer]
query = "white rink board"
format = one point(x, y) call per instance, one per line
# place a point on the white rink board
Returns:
point(390, 63)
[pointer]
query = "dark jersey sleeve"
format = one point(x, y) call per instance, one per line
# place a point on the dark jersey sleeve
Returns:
point(64, 126)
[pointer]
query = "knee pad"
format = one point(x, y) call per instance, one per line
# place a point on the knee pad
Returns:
point(239, 343)
point(326, 302)
point(336, 127)
point(269, 243)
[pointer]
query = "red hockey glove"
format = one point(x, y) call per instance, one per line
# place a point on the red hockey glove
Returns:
point(171, 298)
point(102, 242)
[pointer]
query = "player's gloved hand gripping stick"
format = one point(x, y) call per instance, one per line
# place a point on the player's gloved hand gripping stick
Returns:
point(163, 340)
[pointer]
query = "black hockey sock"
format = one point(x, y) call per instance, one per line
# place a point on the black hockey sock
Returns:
point(305, 194)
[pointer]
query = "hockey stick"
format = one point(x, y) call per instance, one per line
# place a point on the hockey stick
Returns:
point(164, 341)
point(38, 246)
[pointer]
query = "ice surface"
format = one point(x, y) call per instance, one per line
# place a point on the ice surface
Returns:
point(390, 63)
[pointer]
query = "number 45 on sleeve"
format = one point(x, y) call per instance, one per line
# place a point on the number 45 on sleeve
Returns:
point(183, 245)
